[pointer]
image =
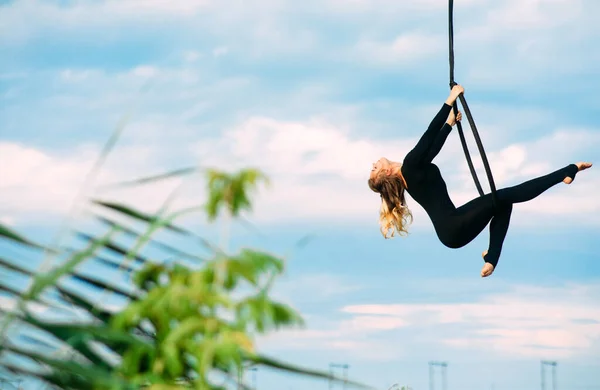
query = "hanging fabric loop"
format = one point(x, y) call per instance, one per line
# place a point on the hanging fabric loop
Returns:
point(467, 113)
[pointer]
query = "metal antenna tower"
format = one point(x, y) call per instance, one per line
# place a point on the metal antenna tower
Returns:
point(553, 365)
point(344, 367)
point(443, 366)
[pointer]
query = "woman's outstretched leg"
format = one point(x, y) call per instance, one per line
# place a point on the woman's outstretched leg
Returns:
point(533, 188)
point(473, 215)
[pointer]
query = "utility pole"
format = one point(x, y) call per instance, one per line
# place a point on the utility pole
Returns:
point(553, 365)
point(344, 367)
point(443, 366)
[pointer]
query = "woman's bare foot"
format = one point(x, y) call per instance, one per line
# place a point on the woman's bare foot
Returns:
point(487, 267)
point(580, 167)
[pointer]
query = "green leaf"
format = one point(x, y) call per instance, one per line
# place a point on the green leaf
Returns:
point(186, 329)
point(110, 245)
point(126, 268)
point(19, 293)
point(135, 214)
point(231, 191)
point(85, 304)
point(160, 222)
point(150, 179)
point(78, 335)
point(284, 315)
point(70, 374)
point(106, 286)
point(45, 280)
point(12, 235)
point(165, 247)
point(15, 266)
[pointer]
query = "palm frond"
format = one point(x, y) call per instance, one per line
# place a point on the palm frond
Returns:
point(173, 326)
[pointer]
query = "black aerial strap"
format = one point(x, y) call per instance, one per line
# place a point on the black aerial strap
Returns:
point(467, 112)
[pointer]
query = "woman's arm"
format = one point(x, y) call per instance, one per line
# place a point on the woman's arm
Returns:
point(441, 137)
point(420, 153)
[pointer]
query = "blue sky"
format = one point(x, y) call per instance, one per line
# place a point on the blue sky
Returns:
point(313, 92)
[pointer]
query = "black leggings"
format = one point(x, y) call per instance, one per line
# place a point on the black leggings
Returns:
point(467, 221)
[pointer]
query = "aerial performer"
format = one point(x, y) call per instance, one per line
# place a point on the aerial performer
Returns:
point(421, 178)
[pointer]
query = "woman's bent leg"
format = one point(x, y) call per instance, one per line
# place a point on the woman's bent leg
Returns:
point(468, 221)
point(471, 218)
point(498, 229)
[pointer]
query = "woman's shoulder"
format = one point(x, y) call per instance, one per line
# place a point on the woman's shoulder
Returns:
point(409, 167)
point(416, 170)
point(410, 172)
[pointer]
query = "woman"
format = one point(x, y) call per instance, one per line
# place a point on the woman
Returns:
point(455, 227)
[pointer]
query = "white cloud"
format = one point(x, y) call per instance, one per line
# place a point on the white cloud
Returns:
point(504, 45)
point(406, 49)
point(220, 51)
point(129, 78)
point(321, 286)
point(90, 14)
point(7, 220)
point(517, 44)
point(283, 147)
point(37, 182)
point(180, 7)
point(317, 160)
point(318, 171)
point(403, 9)
point(37, 185)
point(319, 167)
point(508, 43)
point(185, 19)
point(526, 321)
point(145, 71)
point(77, 75)
point(518, 15)
point(352, 336)
point(191, 55)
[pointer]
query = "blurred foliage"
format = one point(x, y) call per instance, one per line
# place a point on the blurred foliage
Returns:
point(182, 325)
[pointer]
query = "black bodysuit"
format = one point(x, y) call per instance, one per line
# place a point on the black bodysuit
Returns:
point(456, 227)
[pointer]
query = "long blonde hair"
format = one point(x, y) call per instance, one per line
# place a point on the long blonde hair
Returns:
point(394, 214)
